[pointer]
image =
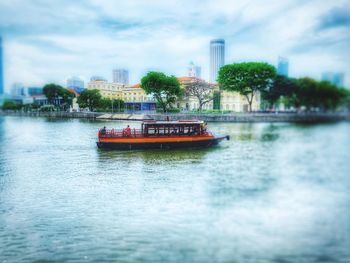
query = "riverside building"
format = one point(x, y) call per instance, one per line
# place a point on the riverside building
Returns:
point(136, 99)
point(225, 100)
point(134, 96)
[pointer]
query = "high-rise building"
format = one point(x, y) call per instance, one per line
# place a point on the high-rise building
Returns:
point(283, 66)
point(1, 70)
point(193, 70)
point(336, 78)
point(121, 76)
point(217, 58)
point(18, 89)
point(76, 84)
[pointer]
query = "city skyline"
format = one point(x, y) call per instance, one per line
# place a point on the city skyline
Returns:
point(89, 38)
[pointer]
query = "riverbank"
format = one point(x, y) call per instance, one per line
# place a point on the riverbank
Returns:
point(209, 117)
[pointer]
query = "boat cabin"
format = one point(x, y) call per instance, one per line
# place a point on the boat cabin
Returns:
point(160, 129)
point(172, 128)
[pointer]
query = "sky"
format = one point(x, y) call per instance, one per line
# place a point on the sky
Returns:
point(48, 41)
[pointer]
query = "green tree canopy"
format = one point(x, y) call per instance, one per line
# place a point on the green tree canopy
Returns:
point(90, 98)
point(247, 78)
point(165, 89)
point(54, 92)
point(281, 86)
point(67, 97)
point(307, 92)
point(11, 105)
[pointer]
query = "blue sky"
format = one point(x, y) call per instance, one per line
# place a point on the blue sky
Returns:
point(48, 41)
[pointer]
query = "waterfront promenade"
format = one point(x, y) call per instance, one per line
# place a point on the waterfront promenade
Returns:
point(209, 117)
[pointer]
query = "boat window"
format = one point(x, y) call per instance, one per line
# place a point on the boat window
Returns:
point(181, 129)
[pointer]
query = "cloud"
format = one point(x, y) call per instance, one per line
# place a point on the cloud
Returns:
point(338, 16)
point(50, 42)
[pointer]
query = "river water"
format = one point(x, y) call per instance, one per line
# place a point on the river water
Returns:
point(273, 193)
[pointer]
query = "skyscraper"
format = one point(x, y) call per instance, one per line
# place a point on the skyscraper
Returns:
point(283, 66)
point(18, 89)
point(217, 58)
point(336, 78)
point(193, 70)
point(121, 76)
point(1, 70)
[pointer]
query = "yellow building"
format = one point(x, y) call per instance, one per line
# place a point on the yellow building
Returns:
point(136, 97)
point(119, 91)
point(233, 101)
point(107, 89)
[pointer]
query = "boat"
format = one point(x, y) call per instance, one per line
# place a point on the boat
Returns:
point(159, 135)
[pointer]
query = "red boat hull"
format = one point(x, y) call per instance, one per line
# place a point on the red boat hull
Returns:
point(159, 143)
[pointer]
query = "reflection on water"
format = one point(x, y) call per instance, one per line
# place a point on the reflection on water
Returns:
point(273, 193)
point(154, 156)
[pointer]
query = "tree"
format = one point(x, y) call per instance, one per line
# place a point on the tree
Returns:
point(118, 105)
point(306, 92)
point(90, 98)
point(281, 86)
point(313, 94)
point(201, 90)
point(11, 105)
point(54, 93)
point(67, 97)
point(165, 89)
point(247, 78)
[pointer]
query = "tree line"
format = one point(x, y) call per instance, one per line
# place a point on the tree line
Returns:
point(93, 100)
point(59, 98)
point(249, 79)
point(305, 92)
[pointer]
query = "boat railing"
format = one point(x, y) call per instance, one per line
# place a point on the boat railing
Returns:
point(136, 133)
point(117, 133)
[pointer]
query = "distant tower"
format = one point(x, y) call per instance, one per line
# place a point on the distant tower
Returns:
point(121, 76)
point(336, 78)
point(75, 83)
point(283, 66)
point(18, 89)
point(193, 70)
point(1, 70)
point(217, 58)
